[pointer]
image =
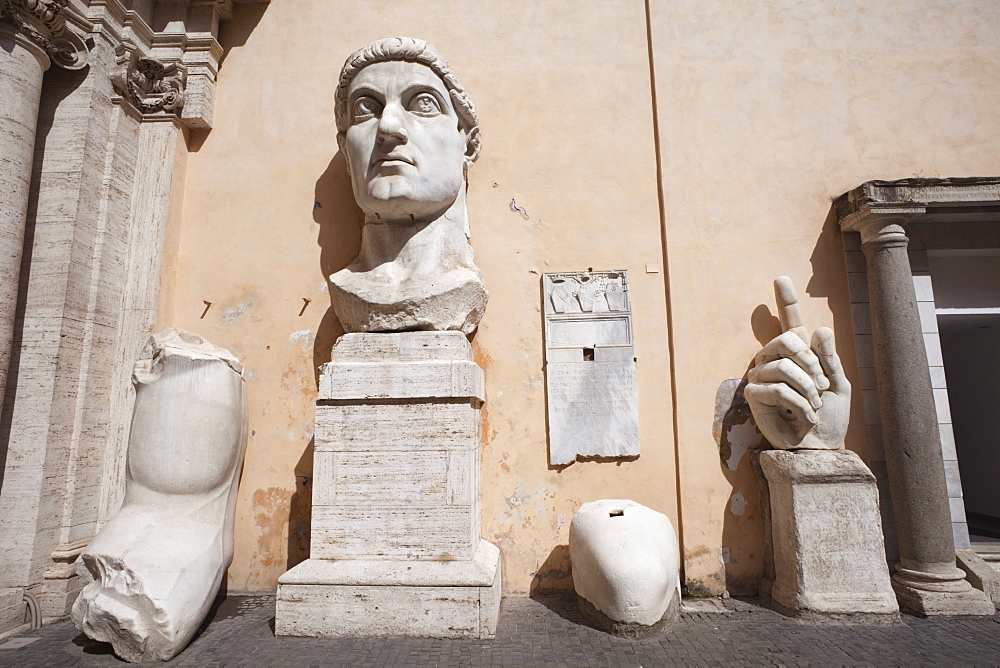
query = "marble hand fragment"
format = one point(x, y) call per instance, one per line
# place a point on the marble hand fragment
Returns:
point(797, 390)
point(156, 566)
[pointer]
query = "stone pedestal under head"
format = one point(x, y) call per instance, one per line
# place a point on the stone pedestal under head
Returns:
point(395, 542)
point(156, 566)
point(826, 532)
point(409, 134)
point(625, 567)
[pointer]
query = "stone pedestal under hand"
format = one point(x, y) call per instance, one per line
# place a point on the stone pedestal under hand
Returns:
point(625, 567)
point(395, 545)
point(829, 555)
point(156, 566)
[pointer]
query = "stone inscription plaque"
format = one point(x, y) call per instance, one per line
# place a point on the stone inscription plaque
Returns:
point(589, 366)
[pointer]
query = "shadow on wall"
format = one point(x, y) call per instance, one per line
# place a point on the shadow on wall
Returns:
point(339, 239)
point(236, 31)
point(829, 280)
point(300, 509)
point(232, 34)
point(738, 439)
point(554, 574)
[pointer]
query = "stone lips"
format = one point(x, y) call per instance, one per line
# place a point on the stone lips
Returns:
point(625, 561)
point(155, 567)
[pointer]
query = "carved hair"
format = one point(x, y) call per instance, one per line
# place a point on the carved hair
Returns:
point(409, 50)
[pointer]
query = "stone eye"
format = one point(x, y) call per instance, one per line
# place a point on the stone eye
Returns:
point(425, 104)
point(364, 108)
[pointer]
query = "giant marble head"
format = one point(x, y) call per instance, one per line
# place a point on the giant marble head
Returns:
point(407, 128)
point(409, 134)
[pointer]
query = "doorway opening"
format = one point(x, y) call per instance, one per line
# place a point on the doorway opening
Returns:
point(967, 306)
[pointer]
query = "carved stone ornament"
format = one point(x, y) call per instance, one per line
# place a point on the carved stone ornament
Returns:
point(44, 23)
point(151, 85)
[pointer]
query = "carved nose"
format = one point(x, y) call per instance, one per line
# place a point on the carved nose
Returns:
point(390, 126)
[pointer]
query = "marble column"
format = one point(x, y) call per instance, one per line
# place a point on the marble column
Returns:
point(927, 581)
point(22, 63)
point(33, 34)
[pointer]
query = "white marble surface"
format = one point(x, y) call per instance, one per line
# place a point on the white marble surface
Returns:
point(590, 380)
point(625, 560)
point(797, 390)
point(409, 134)
point(156, 566)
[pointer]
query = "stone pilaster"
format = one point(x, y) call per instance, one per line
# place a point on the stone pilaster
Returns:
point(926, 581)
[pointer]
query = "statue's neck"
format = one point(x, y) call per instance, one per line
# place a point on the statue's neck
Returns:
point(406, 249)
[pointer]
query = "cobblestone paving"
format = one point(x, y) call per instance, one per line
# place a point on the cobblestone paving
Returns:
point(549, 631)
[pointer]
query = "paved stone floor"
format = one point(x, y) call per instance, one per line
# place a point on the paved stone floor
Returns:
point(549, 632)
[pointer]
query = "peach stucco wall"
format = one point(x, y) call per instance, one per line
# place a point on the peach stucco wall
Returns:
point(764, 111)
point(767, 111)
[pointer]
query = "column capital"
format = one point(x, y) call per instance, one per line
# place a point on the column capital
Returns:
point(881, 223)
point(44, 23)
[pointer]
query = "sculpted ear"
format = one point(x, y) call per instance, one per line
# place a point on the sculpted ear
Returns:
point(340, 145)
point(473, 143)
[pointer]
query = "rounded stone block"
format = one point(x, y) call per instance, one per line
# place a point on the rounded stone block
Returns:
point(625, 566)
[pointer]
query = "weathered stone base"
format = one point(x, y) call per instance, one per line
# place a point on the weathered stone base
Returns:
point(12, 609)
point(378, 598)
point(980, 574)
point(924, 603)
point(626, 629)
point(59, 594)
point(826, 532)
point(827, 612)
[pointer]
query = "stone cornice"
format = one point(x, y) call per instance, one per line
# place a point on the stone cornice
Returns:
point(120, 24)
point(878, 209)
point(44, 22)
point(910, 197)
point(188, 49)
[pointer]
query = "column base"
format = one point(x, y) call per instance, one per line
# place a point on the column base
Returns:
point(937, 597)
point(380, 598)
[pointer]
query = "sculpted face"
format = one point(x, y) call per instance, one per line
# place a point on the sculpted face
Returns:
point(404, 146)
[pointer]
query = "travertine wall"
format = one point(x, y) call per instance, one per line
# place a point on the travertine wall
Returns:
point(764, 112)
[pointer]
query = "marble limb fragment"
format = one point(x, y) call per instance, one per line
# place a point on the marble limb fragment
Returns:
point(625, 566)
point(157, 565)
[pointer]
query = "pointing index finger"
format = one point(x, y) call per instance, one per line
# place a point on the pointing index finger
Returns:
point(788, 308)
